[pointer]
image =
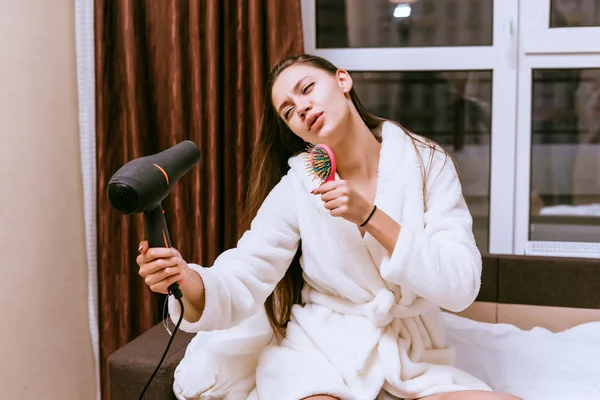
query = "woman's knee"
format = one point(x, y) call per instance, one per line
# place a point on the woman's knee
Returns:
point(504, 396)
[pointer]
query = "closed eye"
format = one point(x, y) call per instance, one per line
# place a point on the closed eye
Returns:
point(287, 111)
point(306, 88)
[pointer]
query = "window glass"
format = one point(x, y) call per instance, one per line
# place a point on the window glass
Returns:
point(402, 23)
point(452, 108)
point(574, 13)
point(565, 155)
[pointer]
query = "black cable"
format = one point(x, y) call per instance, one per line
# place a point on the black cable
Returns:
point(178, 296)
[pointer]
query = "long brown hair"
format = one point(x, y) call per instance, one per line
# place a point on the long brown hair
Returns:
point(276, 144)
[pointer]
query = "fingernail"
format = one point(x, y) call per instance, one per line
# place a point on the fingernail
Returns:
point(140, 248)
point(313, 191)
point(174, 252)
point(178, 260)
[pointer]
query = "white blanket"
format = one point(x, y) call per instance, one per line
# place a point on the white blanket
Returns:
point(371, 320)
point(534, 364)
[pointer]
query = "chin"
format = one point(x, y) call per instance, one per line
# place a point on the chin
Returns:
point(326, 134)
point(323, 134)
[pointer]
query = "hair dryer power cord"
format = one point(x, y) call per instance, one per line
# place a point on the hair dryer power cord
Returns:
point(178, 297)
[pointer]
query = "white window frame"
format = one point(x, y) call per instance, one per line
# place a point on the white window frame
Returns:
point(538, 38)
point(543, 47)
point(523, 245)
point(501, 58)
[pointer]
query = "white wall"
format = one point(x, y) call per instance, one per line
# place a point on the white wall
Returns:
point(45, 347)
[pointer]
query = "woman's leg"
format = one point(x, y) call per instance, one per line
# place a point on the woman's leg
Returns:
point(472, 395)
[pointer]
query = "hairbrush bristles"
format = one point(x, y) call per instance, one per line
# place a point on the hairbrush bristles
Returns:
point(320, 162)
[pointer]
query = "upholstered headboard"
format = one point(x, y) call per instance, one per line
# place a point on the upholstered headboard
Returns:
point(527, 291)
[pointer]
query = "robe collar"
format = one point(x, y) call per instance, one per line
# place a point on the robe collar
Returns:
point(398, 166)
point(399, 194)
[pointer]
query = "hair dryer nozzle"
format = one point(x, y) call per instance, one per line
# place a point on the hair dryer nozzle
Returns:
point(123, 197)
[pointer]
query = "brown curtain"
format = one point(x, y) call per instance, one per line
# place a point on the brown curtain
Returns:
point(167, 71)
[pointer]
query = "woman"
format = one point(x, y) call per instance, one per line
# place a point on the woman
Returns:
point(352, 291)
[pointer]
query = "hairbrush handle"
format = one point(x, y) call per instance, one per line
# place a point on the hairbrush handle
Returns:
point(329, 152)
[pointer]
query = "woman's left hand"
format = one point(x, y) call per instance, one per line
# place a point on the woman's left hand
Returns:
point(343, 201)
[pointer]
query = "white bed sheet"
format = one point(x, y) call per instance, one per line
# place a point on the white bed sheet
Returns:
point(533, 364)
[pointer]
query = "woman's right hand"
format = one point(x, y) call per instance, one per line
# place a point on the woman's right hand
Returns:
point(160, 267)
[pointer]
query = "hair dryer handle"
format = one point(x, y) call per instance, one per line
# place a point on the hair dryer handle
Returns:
point(157, 234)
point(155, 227)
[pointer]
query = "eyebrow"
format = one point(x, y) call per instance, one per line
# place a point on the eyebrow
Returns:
point(295, 89)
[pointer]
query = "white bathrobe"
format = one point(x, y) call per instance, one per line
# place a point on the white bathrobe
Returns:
point(370, 322)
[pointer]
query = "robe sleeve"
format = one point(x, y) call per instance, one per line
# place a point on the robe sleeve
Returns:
point(242, 278)
point(440, 260)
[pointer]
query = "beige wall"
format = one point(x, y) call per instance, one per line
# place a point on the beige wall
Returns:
point(555, 319)
point(45, 348)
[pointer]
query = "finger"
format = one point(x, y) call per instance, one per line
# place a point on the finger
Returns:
point(142, 258)
point(161, 275)
point(163, 286)
point(328, 186)
point(336, 203)
point(156, 265)
point(143, 247)
point(154, 253)
point(339, 211)
point(341, 191)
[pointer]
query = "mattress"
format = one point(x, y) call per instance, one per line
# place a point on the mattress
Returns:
point(534, 364)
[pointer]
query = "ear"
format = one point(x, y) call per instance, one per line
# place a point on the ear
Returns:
point(344, 80)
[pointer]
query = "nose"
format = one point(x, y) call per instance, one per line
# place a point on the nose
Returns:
point(303, 109)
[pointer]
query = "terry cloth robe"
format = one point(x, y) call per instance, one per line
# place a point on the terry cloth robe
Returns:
point(370, 323)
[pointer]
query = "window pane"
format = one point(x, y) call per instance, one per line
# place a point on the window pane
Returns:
point(565, 155)
point(574, 13)
point(395, 23)
point(452, 108)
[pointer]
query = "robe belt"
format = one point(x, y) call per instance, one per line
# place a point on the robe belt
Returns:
point(381, 310)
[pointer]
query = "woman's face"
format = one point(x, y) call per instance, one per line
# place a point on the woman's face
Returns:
point(312, 102)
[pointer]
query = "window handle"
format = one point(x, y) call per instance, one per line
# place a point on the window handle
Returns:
point(510, 43)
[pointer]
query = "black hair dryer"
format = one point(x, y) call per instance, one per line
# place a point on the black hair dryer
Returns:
point(143, 183)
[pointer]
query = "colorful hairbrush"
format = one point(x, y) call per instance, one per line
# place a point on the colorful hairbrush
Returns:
point(320, 162)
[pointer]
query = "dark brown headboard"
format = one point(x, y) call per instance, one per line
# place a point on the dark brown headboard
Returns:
point(544, 281)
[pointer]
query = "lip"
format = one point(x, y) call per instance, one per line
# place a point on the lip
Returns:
point(314, 119)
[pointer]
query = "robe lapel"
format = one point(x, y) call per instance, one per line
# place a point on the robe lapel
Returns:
point(339, 238)
point(399, 192)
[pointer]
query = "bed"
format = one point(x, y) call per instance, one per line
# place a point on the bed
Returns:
point(533, 364)
point(534, 331)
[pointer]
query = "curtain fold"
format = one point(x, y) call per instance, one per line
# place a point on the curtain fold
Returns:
point(167, 71)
